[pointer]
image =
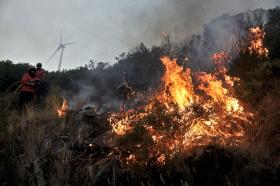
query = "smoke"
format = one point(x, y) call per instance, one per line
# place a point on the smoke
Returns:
point(103, 29)
point(222, 34)
point(218, 35)
point(181, 18)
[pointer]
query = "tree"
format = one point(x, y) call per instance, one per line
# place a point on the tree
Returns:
point(272, 29)
point(10, 73)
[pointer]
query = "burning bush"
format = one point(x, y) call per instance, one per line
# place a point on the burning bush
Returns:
point(178, 118)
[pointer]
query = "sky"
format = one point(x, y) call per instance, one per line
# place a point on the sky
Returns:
point(103, 29)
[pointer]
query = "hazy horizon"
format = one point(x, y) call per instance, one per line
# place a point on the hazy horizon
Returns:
point(102, 29)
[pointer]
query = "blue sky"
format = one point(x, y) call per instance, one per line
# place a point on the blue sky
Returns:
point(103, 29)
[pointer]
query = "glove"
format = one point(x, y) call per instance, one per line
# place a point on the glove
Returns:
point(31, 83)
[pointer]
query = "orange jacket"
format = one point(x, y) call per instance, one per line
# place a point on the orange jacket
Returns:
point(40, 74)
point(28, 83)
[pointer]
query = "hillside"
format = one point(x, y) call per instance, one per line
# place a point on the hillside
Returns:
point(204, 111)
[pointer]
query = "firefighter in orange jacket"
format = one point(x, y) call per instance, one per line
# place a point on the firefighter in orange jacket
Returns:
point(40, 73)
point(42, 87)
point(28, 89)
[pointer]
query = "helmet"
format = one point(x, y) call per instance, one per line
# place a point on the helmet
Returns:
point(39, 65)
point(32, 70)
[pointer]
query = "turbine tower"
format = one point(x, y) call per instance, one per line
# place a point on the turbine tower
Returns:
point(61, 47)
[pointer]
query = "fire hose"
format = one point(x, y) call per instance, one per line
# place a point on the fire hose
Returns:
point(12, 85)
point(19, 87)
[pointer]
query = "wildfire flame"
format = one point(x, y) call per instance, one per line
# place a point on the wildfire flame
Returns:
point(256, 44)
point(130, 158)
point(183, 115)
point(219, 60)
point(178, 84)
point(62, 110)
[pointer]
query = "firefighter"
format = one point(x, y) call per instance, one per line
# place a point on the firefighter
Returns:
point(40, 73)
point(41, 88)
point(28, 89)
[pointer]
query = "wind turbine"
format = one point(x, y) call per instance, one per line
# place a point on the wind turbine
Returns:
point(61, 47)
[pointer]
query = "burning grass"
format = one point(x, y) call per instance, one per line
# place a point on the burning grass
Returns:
point(256, 42)
point(191, 110)
point(193, 127)
point(61, 111)
point(182, 116)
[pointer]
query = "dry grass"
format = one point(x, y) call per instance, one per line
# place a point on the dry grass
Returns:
point(30, 137)
point(265, 134)
point(40, 154)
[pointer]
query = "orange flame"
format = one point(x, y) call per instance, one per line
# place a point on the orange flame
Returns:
point(130, 159)
point(161, 159)
point(208, 112)
point(256, 43)
point(215, 89)
point(178, 84)
point(219, 60)
point(61, 111)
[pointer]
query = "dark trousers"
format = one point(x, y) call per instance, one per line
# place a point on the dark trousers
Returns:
point(41, 92)
point(25, 98)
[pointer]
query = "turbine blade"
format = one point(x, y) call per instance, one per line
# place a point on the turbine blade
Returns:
point(60, 37)
point(53, 54)
point(70, 43)
point(60, 59)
